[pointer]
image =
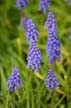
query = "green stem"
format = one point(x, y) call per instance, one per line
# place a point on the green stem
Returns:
point(7, 100)
point(28, 90)
point(52, 99)
point(52, 94)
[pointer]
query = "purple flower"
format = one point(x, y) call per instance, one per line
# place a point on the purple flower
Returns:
point(51, 80)
point(14, 81)
point(50, 22)
point(21, 4)
point(31, 30)
point(53, 46)
point(44, 5)
point(34, 57)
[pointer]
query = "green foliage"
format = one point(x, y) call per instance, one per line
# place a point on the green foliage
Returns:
point(13, 52)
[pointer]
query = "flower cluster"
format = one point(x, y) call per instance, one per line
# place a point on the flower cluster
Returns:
point(31, 31)
point(14, 81)
point(34, 58)
point(53, 44)
point(50, 22)
point(21, 4)
point(44, 5)
point(51, 80)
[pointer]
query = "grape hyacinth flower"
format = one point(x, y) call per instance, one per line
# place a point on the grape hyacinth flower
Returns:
point(31, 30)
point(51, 80)
point(44, 5)
point(50, 22)
point(34, 58)
point(14, 81)
point(53, 46)
point(21, 4)
point(70, 35)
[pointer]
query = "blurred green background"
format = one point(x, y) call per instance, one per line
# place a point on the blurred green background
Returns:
point(13, 53)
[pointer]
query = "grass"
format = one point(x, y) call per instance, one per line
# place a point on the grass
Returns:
point(13, 52)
